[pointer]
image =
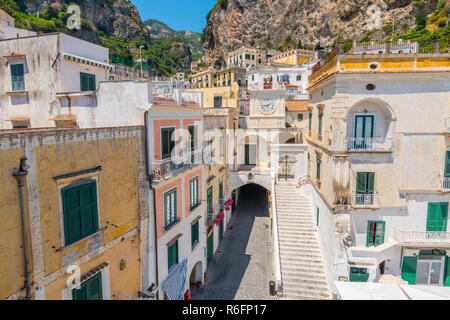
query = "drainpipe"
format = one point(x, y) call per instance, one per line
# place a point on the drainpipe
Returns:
point(20, 175)
point(149, 179)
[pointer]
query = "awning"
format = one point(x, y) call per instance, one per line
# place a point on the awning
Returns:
point(86, 61)
point(175, 282)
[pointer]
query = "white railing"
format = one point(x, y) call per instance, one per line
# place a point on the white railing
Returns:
point(420, 237)
point(275, 239)
point(276, 248)
point(366, 200)
point(370, 144)
point(162, 169)
point(446, 184)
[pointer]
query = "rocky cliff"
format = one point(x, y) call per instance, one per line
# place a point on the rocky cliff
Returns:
point(305, 23)
point(115, 24)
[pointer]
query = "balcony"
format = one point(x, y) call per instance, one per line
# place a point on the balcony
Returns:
point(429, 238)
point(446, 184)
point(164, 169)
point(370, 145)
point(364, 201)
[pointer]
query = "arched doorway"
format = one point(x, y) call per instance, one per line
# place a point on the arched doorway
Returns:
point(196, 277)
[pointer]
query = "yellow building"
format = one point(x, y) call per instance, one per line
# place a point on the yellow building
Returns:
point(85, 211)
point(294, 57)
point(219, 88)
point(246, 58)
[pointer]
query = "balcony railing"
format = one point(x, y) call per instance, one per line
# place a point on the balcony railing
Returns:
point(163, 169)
point(366, 200)
point(369, 144)
point(446, 183)
point(418, 237)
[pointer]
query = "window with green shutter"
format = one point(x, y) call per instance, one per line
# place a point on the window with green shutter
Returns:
point(437, 216)
point(194, 234)
point(193, 191)
point(375, 233)
point(447, 165)
point(18, 77)
point(172, 254)
point(221, 188)
point(365, 182)
point(170, 208)
point(318, 216)
point(91, 289)
point(209, 202)
point(320, 122)
point(79, 211)
point(87, 82)
point(167, 142)
point(218, 101)
point(319, 162)
point(310, 122)
point(358, 275)
point(300, 117)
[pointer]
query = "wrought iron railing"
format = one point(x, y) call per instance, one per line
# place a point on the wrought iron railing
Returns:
point(370, 144)
point(162, 169)
point(366, 200)
point(420, 237)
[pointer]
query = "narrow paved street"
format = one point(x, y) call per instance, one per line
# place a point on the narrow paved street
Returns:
point(243, 264)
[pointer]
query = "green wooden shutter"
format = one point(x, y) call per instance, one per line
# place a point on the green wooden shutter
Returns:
point(318, 216)
point(210, 200)
point(409, 269)
point(90, 290)
point(172, 253)
point(71, 212)
point(210, 247)
point(194, 233)
point(88, 208)
point(94, 288)
point(83, 82)
point(221, 230)
point(320, 122)
point(370, 182)
point(437, 216)
point(361, 182)
point(17, 77)
point(447, 272)
point(447, 164)
point(80, 211)
point(167, 144)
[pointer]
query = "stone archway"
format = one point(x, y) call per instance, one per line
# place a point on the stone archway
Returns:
point(196, 275)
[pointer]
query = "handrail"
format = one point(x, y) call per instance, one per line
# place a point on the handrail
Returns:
point(277, 264)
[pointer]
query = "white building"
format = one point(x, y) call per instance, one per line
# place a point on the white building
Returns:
point(379, 165)
point(8, 29)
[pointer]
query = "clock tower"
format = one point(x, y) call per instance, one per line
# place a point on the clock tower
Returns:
point(267, 103)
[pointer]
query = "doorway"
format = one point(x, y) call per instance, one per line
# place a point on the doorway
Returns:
point(430, 270)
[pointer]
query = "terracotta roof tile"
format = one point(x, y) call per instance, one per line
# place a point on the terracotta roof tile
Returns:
point(297, 105)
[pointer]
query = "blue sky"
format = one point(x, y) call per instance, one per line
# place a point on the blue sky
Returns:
point(177, 14)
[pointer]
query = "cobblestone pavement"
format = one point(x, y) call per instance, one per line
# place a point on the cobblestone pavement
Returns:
point(242, 266)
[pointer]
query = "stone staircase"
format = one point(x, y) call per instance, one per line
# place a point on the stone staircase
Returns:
point(302, 268)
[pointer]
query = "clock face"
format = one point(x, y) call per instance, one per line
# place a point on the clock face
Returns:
point(267, 106)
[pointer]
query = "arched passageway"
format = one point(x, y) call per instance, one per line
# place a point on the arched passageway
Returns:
point(243, 265)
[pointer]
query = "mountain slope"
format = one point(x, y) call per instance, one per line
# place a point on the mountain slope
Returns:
point(115, 24)
point(160, 30)
point(307, 23)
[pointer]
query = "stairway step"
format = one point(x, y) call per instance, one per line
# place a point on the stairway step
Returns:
point(305, 268)
point(299, 278)
point(307, 294)
point(297, 244)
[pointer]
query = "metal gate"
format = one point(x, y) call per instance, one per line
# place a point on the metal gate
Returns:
point(286, 167)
